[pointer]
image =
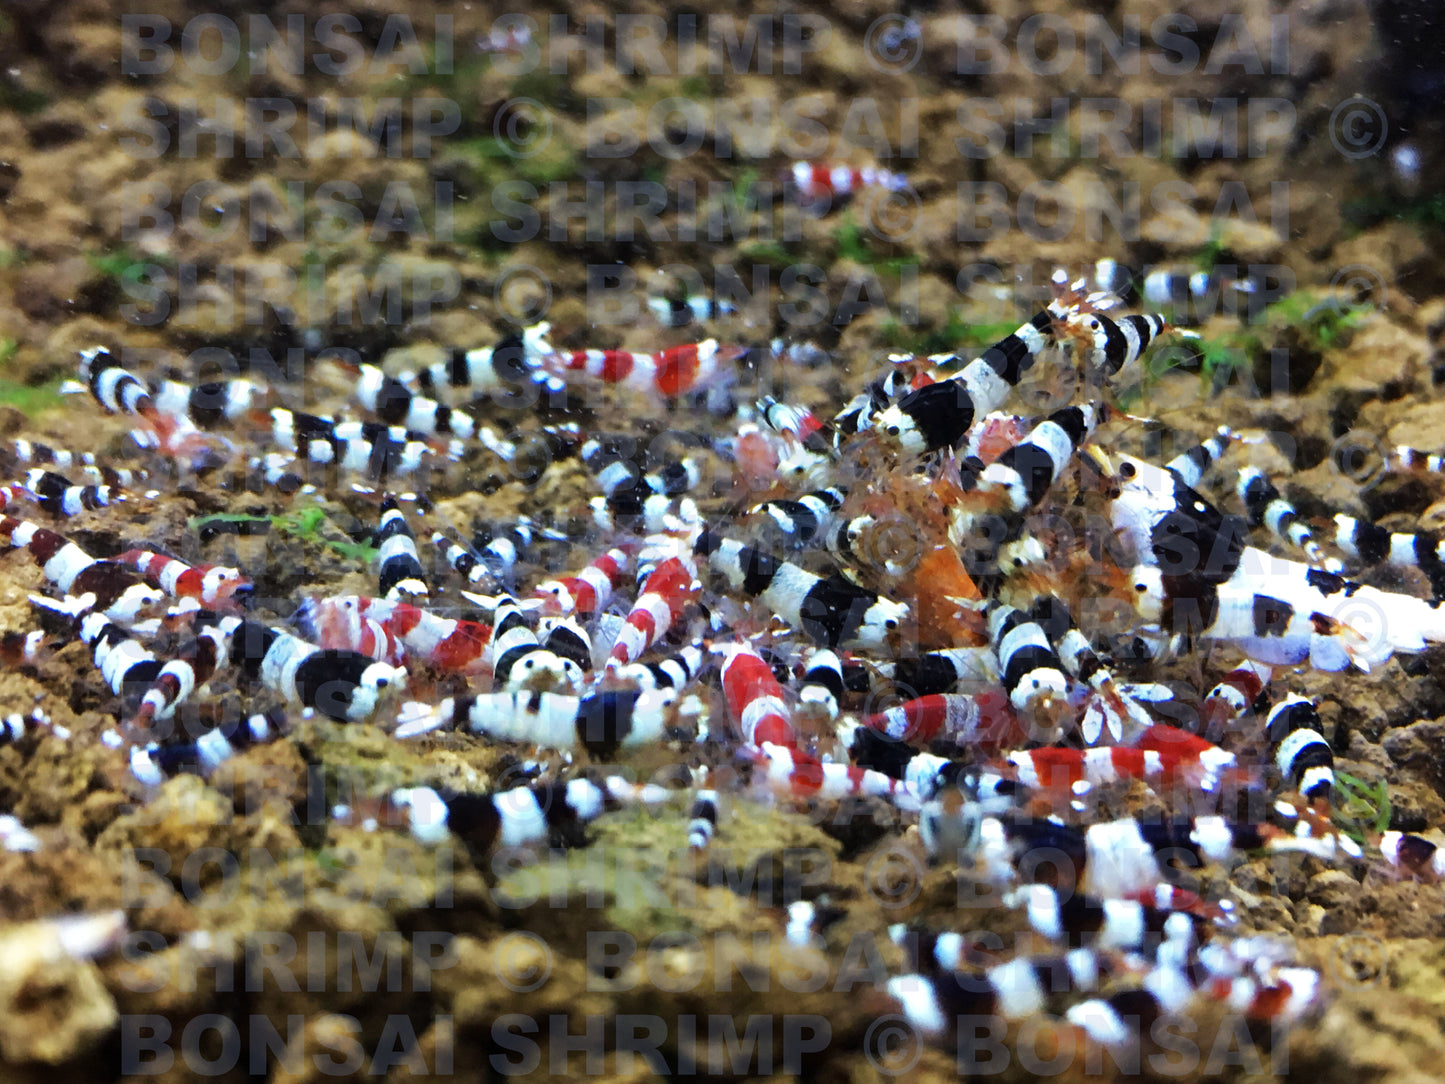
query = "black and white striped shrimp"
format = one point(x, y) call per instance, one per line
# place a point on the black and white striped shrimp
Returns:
point(343, 685)
point(830, 611)
point(375, 450)
point(210, 404)
point(601, 722)
point(1196, 575)
point(518, 659)
point(1268, 509)
point(471, 374)
point(805, 520)
point(1026, 472)
point(57, 495)
point(119, 392)
point(155, 762)
point(399, 574)
point(939, 415)
point(492, 561)
point(517, 817)
point(1371, 544)
point(1301, 752)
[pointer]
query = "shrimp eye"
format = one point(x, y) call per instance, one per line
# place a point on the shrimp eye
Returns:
point(893, 430)
point(1127, 470)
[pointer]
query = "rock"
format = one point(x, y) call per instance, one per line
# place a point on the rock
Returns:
point(1382, 359)
point(54, 1008)
point(203, 841)
point(1379, 254)
point(1311, 917)
point(1181, 227)
point(1251, 242)
point(1420, 747)
point(1331, 888)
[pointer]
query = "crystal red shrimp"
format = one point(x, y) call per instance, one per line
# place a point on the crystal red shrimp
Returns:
point(754, 697)
point(195, 663)
point(924, 718)
point(756, 702)
point(1164, 755)
point(393, 631)
point(1236, 693)
point(668, 373)
point(660, 605)
point(588, 592)
point(790, 770)
point(211, 585)
point(818, 184)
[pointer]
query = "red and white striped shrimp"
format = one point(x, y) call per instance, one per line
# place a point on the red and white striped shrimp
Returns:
point(818, 184)
point(211, 585)
point(756, 702)
point(669, 373)
point(1236, 694)
point(754, 697)
point(394, 632)
point(792, 772)
point(346, 622)
point(938, 715)
point(1164, 755)
point(589, 591)
point(191, 667)
point(12, 494)
point(660, 606)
